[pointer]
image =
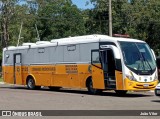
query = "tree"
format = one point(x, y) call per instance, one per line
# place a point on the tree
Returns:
point(97, 21)
point(144, 21)
point(100, 16)
point(59, 19)
point(7, 11)
point(138, 18)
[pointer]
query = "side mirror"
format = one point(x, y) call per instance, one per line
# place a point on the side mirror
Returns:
point(116, 52)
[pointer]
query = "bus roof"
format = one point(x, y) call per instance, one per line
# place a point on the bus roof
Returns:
point(73, 40)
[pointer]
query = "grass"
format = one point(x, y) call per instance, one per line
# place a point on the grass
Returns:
point(1, 80)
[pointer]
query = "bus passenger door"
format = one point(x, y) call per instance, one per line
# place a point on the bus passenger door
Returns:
point(17, 68)
point(108, 66)
point(97, 72)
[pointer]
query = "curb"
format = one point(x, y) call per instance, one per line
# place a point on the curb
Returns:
point(1, 82)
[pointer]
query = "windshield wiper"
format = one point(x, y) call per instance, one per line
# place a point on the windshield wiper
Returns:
point(140, 65)
point(147, 62)
point(141, 57)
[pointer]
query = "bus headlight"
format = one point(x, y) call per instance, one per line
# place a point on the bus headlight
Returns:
point(131, 77)
point(155, 77)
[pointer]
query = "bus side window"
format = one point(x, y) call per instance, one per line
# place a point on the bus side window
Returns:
point(95, 57)
point(6, 58)
point(41, 50)
point(18, 59)
point(71, 48)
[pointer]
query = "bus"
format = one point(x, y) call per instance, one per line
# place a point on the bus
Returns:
point(96, 62)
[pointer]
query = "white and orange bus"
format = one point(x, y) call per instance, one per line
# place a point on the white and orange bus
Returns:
point(95, 62)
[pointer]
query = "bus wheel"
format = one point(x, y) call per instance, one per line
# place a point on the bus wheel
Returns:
point(31, 84)
point(91, 90)
point(121, 92)
point(54, 88)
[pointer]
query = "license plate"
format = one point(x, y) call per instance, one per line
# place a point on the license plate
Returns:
point(158, 92)
point(146, 85)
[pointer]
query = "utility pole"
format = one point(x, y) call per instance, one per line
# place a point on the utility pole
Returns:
point(38, 38)
point(110, 18)
point(19, 36)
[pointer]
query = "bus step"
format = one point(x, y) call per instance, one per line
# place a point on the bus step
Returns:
point(110, 83)
point(110, 80)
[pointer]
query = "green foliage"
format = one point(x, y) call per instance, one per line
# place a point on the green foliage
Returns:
point(138, 18)
point(144, 18)
point(61, 18)
point(1, 80)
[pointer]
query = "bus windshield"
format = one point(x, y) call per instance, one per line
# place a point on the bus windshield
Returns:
point(138, 57)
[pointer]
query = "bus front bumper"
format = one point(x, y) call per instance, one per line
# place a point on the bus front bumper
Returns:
point(140, 86)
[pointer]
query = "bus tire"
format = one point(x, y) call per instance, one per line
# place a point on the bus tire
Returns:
point(121, 92)
point(31, 84)
point(54, 87)
point(90, 88)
